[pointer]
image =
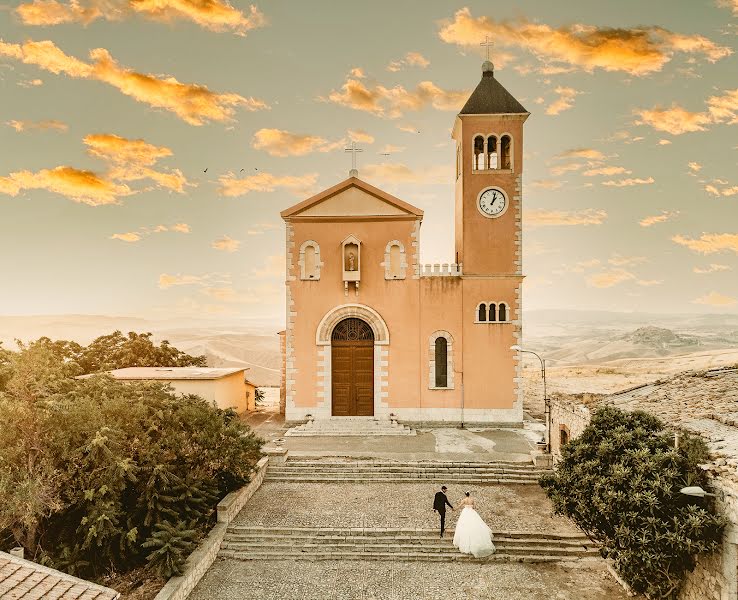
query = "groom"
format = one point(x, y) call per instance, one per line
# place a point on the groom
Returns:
point(439, 506)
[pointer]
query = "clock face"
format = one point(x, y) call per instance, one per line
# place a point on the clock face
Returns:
point(492, 202)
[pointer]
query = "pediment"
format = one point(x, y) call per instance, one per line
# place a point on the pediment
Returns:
point(352, 198)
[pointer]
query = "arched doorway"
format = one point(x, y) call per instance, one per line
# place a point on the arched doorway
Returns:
point(352, 366)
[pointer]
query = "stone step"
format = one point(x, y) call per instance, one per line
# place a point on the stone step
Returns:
point(350, 426)
point(399, 550)
point(509, 546)
point(291, 470)
point(432, 542)
point(312, 461)
point(389, 556)
point(499, 479)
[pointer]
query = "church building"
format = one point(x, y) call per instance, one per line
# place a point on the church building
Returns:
point(371, 331)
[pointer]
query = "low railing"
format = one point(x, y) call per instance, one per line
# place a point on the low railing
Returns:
point(441, 270)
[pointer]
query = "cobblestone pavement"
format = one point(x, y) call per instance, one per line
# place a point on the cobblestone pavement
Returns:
point(349, 580)
point(503, 507)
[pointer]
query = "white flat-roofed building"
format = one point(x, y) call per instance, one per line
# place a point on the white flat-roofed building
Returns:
point(226, 387)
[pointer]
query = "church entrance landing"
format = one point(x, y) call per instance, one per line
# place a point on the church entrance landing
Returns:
point(352, 361)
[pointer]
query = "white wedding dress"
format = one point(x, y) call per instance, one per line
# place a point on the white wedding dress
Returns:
point(472, 535)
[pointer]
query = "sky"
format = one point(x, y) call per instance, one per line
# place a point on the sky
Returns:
point(148, 146)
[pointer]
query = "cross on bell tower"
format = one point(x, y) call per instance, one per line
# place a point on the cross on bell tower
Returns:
point(487, 44)
point(353, 149)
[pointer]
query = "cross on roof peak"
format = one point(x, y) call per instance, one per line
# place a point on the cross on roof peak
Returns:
point(353, 149)
point(487, 43)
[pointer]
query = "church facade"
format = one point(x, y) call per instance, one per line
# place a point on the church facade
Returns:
point(372, 332)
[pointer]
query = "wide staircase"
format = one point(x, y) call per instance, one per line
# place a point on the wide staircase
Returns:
point(376, 471)
point(350, 427)
point(394, 544)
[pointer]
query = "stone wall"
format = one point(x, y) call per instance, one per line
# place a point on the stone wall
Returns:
point(178, 588)
point(715, 577)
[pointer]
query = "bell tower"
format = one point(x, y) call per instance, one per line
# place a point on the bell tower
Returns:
point(489, 166)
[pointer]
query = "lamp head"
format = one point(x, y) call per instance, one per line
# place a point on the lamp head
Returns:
point(515, 347)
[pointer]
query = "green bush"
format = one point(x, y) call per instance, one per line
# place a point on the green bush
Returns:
point(619, 481)
point(94, 473)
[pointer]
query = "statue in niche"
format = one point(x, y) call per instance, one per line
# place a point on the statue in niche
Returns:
point(351, 257)
point(351, 262)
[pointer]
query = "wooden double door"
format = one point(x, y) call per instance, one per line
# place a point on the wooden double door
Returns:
point(352, 362)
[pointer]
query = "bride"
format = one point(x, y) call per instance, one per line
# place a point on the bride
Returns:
point(472, 535)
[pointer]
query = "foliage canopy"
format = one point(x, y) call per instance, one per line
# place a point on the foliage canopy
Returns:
point(620, 481)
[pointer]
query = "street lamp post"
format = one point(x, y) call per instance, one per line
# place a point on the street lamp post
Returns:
point(546, 404)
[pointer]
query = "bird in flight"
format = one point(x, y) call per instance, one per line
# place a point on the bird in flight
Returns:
point(206, 170)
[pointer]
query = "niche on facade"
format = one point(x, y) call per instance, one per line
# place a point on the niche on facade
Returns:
point(309, 261)
point(395, 261)
point(351, 255)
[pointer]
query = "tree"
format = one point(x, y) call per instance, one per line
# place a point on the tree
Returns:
point(619, 481)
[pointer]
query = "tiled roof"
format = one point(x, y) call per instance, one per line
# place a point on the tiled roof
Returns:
point(491, 98)
point(22, 580)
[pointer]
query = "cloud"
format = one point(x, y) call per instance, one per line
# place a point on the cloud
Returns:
point(232, 186)
point(278, 142)
point(608, 279)
point(606, 171)
point(719, 187)
point(131, 160)
point(552, 218)
point(637, 51)
point(360, 136)
point(564, 102)
point(411, 59)
point(626, 261)
point(226, 244)
point(46, 125)
point(214, 15)
point(664, 142)
point(408, 128)
point(195, 104)
point(136, 236)
point(588, 153)
point(694, 166)
point(81, 186)
point(677, 120)
point(711, 268)
point(547, 184)
point(394, 102)
point(392, 149)
point(709, 243)
point(731, 4)
point(166, 281)
point(649, 282)
point(28, 83)
point(401, 173)
point(652, 220)
point(629, 182)
point(565, 168)
point(261, 228)
point(715, 299)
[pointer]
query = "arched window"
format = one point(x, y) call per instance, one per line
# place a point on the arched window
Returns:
point(491, 152)
point(395, 260)
point(492, 313)
point(482, 313)
point(563, 436)
point(505, 152)
point(309, 261)
point(502, 312)
point(440, 361)
point(478, 153)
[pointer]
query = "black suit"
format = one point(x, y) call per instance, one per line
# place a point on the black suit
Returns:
point(439, 504)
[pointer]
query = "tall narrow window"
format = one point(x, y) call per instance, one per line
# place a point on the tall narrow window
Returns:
point(478, 153)
point(491, 152)
point(482, 314)
point(505, 148)
point(441, 362)
point(310, 262)
point(502, 312)
point(492, 314)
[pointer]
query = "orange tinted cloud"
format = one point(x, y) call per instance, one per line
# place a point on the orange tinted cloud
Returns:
point(564, 102)
point(652, 220)
point(629, 182)
point(401, 173)
point(278, 142)
point(565, 168)
point(547, 184)
point(46, 125)
point(81, 186)
point(609, 171)
point(136, 236)
point(194, 104)
point(360, 136)
point(394, 102)
point(226, 244)
point(214, 15)
point(588, 153)
point(711, 268)
point(709, 243)
point(608, 279)
point(637, 50)
point(131, 160)
point(715, 299)
point(232, 186)
point(675, 120)
point(720, 187)
point(166, 281)
point(732, 4)
point(552, 218)
point(411, 59)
